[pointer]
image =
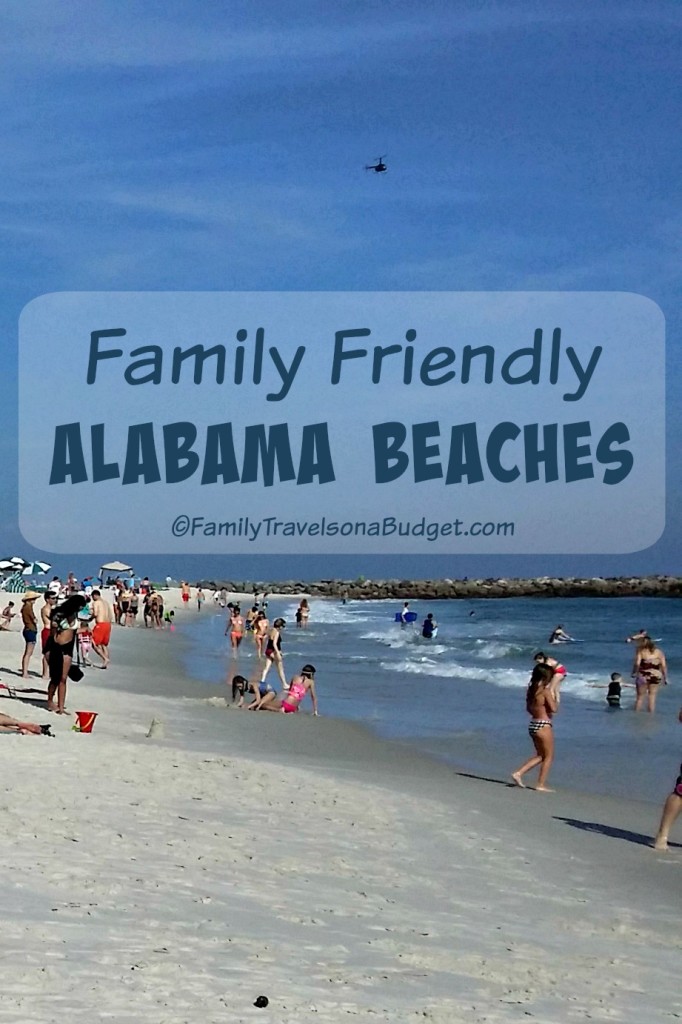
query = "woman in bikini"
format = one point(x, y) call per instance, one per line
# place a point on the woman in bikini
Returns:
point(291, 700)
point(236, 627)
point(261, 628)
point(541, 705)
point(45, 613)
point(650, 670)
point(9, 724)
point(63, 627)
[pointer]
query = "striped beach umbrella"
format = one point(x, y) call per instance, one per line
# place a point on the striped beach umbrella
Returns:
point(14, 584)
point(35, 569)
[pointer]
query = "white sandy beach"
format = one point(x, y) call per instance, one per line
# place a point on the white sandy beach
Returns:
point(175, 879)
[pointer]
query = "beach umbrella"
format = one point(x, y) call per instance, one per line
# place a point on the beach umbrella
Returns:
point(6, 565)
point(36, 569)
point(18, 561)
point(14, 584)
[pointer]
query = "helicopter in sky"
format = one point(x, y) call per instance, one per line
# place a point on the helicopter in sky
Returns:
point(379, 167)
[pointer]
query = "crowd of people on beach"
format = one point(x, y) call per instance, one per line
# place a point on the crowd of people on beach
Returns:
point(267, 639)
point(71, 623)
point(649, 672)
point(74, 622)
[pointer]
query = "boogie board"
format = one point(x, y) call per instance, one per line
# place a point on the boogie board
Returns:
point(409, 617)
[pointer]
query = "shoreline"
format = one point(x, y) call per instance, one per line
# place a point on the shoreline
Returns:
point(339, 874)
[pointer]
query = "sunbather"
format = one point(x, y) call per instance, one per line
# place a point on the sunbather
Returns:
point(8, 724)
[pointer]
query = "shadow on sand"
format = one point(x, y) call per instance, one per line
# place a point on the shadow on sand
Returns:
point(614, 833)
point(36, 703)
point(484, 778)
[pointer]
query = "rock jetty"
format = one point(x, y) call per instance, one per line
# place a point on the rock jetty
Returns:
point(362, 589)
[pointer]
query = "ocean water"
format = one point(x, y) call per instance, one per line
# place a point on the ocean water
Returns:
point(460, 697)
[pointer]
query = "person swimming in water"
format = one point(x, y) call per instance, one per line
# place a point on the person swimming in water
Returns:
point(429, 627)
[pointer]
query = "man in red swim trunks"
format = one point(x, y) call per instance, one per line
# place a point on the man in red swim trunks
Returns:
point(101, 632)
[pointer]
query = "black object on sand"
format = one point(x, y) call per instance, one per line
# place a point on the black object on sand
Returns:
point(261, 1002)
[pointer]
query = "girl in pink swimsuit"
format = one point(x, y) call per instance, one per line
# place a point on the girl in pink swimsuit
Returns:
point(291, 700)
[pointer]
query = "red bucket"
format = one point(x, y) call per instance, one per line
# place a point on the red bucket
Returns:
point(85, 721)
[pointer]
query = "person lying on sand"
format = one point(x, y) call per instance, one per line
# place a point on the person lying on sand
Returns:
point(8, 724)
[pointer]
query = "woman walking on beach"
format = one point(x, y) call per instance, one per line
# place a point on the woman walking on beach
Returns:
point(650, 670)
point(261, 629)
point(64, 623)
point(541, 705)
point(273, 653)
point(235, 627)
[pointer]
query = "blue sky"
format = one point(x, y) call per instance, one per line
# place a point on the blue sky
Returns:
point(221, 146)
